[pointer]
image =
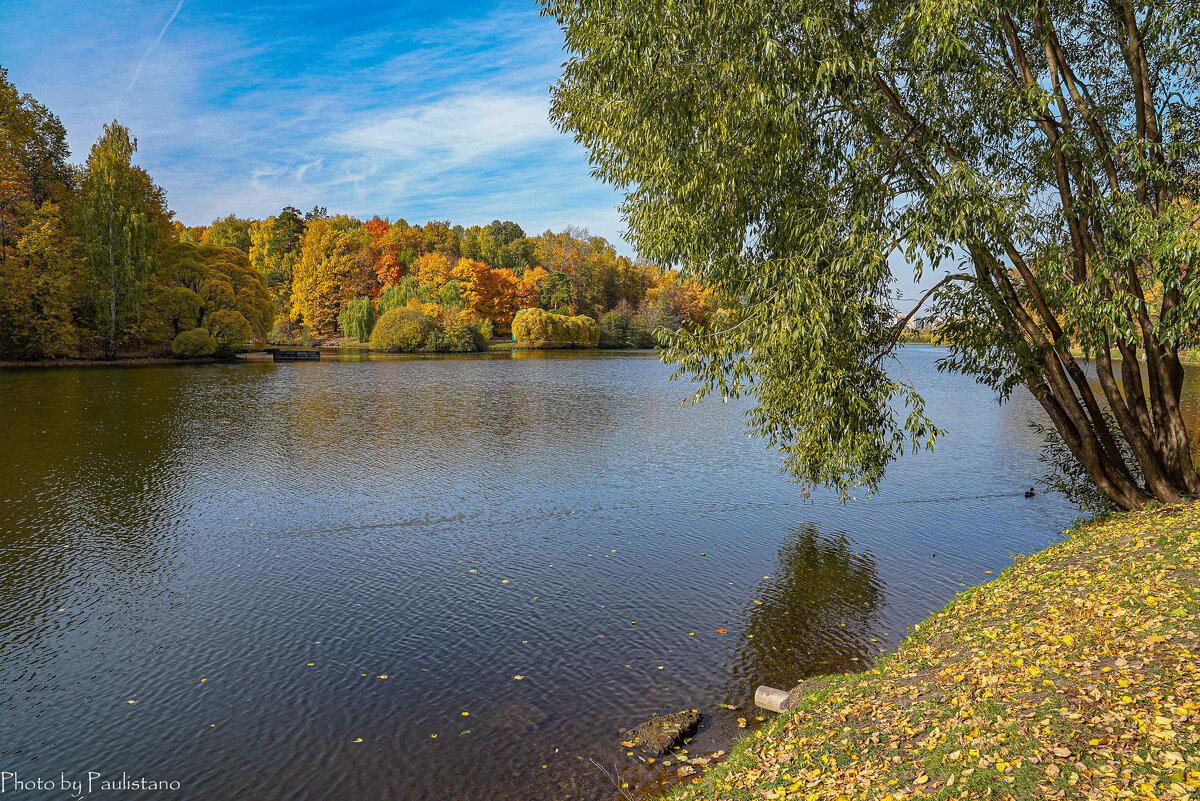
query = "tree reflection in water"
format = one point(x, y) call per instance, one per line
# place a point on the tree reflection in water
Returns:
point(819, 610)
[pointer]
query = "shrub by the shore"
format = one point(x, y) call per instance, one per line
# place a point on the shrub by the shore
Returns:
point(401, 330)
point(193, 344)
point(536, 328)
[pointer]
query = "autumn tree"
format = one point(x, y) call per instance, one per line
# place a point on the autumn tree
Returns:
point(119, 206)
point(376, 227)
point(488, 292)
point(211, 287)
point(598, 278)
point(41, 285)
point(432, 268)
point(529, 293)
point(440, 235)
point(262, 234)
point(323, 278)
point(33, 160)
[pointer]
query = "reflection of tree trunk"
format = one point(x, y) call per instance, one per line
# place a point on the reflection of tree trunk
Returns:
point(112, 317)
point(112, 287)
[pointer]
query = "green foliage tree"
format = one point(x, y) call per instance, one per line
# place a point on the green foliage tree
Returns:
point(117, 222)
point(229, 232)
point(409, 288)
point(1037, 159)
point(229, 329)
point(357, 320)
point(614, 330)
point(449, 295)
point(557, 292)
point(289, 229)
point(192, 283)
point(179, 309)
point(455, 334)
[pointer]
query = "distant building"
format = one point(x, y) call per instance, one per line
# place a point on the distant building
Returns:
point(923, 324)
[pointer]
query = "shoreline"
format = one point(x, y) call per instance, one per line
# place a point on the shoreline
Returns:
point(128, 361)
point(1073, 674)
point(150, 361)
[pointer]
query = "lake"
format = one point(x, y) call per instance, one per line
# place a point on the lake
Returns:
point(206, 571)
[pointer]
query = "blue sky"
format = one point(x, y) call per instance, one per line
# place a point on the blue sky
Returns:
point(414, 110)
point(403, 109)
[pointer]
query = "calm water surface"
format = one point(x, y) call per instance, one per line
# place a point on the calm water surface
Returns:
point(245, 551)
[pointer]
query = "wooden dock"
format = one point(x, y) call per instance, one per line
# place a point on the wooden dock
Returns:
point(294, 354)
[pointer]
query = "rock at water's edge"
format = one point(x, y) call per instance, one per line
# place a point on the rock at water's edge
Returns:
point(663, 733)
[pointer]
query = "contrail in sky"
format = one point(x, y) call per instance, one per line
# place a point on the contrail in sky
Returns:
point(137, 73)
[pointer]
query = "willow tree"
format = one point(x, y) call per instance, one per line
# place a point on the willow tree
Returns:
point(1034, 158)
point(120, 208)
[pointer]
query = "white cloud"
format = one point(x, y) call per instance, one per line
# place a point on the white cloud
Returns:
point(456, 131)
point(426, 116)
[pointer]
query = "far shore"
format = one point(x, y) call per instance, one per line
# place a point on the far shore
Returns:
point(120, 361)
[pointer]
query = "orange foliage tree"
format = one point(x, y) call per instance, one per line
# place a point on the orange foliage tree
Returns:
point(488, 293)
point(529, 293)
point(388, 270)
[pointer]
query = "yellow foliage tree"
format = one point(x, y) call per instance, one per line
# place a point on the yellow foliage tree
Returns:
point(322, 281)
point(432, 268)
point(260, 244)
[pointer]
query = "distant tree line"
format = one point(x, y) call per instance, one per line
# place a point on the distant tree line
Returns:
point(92, 263)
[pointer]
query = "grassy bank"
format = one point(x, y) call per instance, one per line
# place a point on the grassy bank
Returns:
point(1185, 356)
point(1072, 675)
